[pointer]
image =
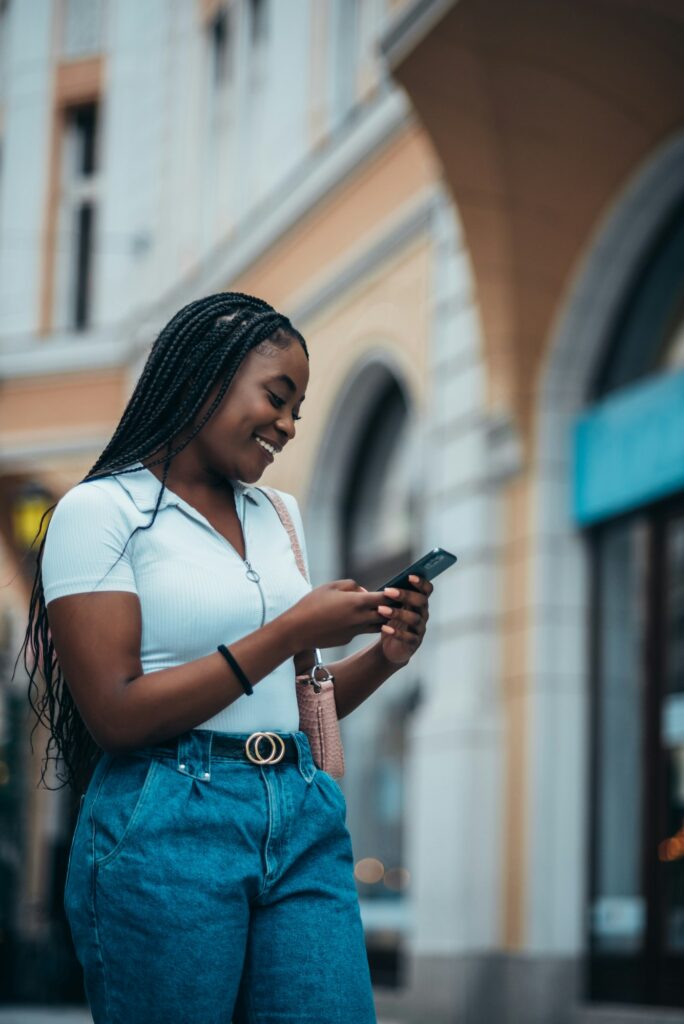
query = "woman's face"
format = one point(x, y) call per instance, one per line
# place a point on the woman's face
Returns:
point(263, 401)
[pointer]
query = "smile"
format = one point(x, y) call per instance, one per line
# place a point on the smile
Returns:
point(269, 448)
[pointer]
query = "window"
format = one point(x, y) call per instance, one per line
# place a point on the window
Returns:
point(77, 217)
point(646, 330)
point(636, 924)
point(258, 21)
point(220, 45)
point(378, 526)
point(378, 513)
point(81, 28)
point(619, 912)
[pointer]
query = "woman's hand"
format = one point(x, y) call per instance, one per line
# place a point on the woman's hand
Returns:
point(333, 614)
point(404, 628)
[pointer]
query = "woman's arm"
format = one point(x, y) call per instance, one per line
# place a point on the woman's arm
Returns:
point(97, 639)
point(360, 675)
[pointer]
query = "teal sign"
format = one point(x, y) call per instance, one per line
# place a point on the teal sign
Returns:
point(629, 450)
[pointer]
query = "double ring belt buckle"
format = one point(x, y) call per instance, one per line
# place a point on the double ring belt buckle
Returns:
point(277, 751)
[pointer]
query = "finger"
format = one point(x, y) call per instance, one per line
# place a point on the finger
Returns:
point(371, 627)
point(370, 599)
point(347, 585)
point(398, 619)
point(411, 640)
point(402, 617)
point(406, 598)
point(421, 584)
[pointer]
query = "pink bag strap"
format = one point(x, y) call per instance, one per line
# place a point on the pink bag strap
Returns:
point(286, 519)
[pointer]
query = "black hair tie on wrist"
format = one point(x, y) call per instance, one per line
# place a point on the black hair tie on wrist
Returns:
point(242, 678)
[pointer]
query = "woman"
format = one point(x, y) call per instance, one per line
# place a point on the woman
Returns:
point(203, 887)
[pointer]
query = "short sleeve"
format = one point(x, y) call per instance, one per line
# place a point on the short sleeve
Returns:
point(87, 545)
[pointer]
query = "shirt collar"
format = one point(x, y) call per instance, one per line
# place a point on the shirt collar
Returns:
point(143, 489)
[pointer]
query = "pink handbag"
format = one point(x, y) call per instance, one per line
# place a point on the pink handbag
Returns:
point(315, 691)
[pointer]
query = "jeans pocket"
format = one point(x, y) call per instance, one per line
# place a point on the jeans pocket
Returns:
point(332, 786)
point(120, 805)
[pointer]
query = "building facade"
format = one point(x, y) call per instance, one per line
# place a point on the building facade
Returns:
point(473, 211)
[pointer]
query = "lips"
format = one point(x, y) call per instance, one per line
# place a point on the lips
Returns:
point(263, 442)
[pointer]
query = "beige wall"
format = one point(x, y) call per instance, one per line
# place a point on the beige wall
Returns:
point(344, 223)
point(387, 312)
point(59, 404)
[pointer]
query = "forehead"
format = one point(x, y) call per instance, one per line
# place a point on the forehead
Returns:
point(273, 363)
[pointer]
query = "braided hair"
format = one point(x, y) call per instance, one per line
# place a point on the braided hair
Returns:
point(204, 343)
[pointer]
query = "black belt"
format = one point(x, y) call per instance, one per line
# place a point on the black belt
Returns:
point(259, 748)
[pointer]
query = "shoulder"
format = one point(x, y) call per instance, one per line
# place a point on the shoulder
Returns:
point(93, 507)
point(87, 540)
point(91, 494)
point(104, 497)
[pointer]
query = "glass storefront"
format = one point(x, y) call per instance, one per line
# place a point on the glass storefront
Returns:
point(637, 906)
point(618, 911)
point(630, 490)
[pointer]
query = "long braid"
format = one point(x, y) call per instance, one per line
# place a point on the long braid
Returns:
point(203, 344)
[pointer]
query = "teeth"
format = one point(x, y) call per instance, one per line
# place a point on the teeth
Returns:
point(265, 444)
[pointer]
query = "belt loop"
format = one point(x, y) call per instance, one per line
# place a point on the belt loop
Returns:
point(194, 754)
point(305, 760)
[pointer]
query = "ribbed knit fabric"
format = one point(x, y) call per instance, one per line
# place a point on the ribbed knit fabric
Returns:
point(192, 584)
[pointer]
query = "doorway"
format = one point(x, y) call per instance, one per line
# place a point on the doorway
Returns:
point(636, 923)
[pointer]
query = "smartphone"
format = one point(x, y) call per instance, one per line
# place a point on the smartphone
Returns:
point(429, 566)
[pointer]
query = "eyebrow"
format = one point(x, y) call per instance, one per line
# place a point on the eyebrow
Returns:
point(289, 382)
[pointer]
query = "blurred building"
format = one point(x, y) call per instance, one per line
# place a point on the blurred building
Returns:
point(484, 252)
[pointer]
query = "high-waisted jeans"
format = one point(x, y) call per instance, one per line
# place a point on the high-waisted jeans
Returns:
point(204, 890)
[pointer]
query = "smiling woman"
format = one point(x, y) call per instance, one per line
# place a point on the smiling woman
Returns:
point(168, 620)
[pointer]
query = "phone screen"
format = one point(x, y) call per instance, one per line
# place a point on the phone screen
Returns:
point(429, 566)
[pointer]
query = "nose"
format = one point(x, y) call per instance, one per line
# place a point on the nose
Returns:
point(286, 425)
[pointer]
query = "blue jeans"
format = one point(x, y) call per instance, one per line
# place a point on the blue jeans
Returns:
point(217, 891)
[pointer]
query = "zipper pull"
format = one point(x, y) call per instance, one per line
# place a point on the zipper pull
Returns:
point(252, 574)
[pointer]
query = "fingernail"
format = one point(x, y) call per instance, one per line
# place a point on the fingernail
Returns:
point(414, 579)
point(392, 591)
point(387, 629)
point(384, 610)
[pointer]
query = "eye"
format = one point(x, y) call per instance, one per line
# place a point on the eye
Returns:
point(279, 402)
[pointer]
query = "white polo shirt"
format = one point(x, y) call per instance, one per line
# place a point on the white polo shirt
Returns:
point(195, 590)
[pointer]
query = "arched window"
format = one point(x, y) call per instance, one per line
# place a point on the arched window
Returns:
point(378, 527)
point(651, 316)
point(377, 506)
